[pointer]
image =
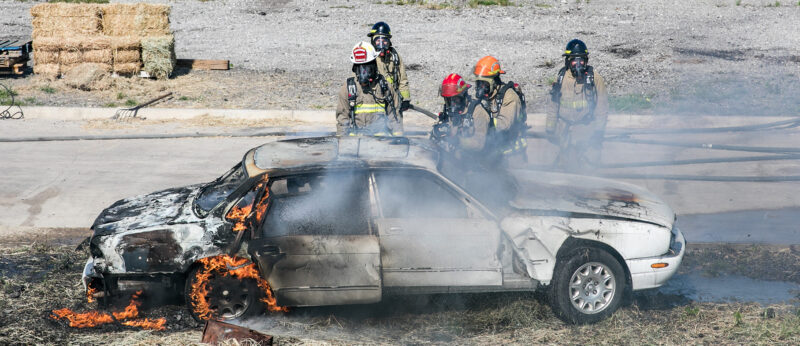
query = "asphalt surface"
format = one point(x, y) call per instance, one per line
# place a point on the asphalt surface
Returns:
point(57, 184)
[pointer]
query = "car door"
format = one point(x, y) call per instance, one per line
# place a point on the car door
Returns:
point(431, 235)
point(316, 246)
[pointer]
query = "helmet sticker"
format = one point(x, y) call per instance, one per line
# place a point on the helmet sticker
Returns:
point(360, 54)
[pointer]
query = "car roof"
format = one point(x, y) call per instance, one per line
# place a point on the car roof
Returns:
point(332, 151)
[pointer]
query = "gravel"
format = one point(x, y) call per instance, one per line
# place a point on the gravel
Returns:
point(684, 56)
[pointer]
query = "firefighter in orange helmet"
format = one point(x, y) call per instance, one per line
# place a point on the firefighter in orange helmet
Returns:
point(501, 106)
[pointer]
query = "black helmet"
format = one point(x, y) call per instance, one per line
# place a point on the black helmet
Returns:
point(576, 47)
point(380, 28)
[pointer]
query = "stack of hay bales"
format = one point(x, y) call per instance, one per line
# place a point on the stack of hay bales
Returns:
point(127, 59)
point(111, 36)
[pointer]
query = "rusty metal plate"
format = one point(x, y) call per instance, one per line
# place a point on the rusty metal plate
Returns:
point(216, 331)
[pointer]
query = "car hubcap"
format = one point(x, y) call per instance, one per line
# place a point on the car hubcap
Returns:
point(228, 297)
point(592, 288)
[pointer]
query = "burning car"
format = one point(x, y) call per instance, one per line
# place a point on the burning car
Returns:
point(332, 221)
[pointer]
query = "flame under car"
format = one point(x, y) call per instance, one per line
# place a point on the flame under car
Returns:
point(333, 221)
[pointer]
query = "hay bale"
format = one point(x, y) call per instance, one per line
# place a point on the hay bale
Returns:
point(102, 56)
point(158, 56)
point(95, 42)
point(47, 70)
point(136, 19)
point(41, 56)
point(60, 19)
point(127, 56)
point(70, 57)
point(152, 19)
point(87, 76)
point(125, 42)
point(128, 69)
point(52, 44)
point(60, 9)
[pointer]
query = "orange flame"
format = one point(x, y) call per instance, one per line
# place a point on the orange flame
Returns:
point(146, 323)
point(90, 294)
point(240, 268)
point(96, 318)
point(239, 214)
point(131, 311)
point(82, 320)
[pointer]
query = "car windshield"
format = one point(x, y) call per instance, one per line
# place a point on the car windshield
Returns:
point(216, 191)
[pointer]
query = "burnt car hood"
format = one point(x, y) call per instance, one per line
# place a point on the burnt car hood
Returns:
point(568, 193)
point(157, 208)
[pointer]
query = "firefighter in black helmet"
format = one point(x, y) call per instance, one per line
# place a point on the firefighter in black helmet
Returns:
point(576, 120)
point(390, 65)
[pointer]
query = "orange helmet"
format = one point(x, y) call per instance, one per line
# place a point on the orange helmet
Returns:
point(453, 85)
point(488, 67)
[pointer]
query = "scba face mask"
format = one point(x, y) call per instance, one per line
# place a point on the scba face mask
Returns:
point(455, 105)
point(483, 89)
point(577, 66)
point(366, 73)
point(381, 44)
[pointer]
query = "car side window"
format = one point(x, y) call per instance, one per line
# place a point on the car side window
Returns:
point(334, 203)
point(416, 195)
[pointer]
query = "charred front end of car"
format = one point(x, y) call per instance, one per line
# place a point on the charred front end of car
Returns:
point(150, 240)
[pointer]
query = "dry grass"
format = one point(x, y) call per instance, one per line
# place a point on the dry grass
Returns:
point(50, 277)
point(204, 121)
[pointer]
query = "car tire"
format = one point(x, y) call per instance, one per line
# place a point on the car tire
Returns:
point(228, 297)
point(588, 286)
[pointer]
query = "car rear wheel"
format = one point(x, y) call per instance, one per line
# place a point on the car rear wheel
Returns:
point(221, 297)
point(588, 286)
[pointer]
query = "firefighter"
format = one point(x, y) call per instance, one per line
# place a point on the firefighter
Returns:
point(455, 127)
point(367, 103)
point(499, 115)
point(576, 119)
point(390, 65)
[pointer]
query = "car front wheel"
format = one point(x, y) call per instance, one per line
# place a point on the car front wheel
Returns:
point(588, 286)
point(212, 294)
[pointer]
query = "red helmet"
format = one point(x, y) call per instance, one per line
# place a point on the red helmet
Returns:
point(453, 85)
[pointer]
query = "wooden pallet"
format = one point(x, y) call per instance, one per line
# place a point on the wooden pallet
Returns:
point(14, 55)
point(14, 69)
point(200, 64)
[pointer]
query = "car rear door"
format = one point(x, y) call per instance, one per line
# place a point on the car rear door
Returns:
point(431, 235)
point(316, 246)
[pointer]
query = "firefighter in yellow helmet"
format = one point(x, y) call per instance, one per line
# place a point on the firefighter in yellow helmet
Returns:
point(390, 65)
point(576, 118)
point(500, 115)
point(367, 104)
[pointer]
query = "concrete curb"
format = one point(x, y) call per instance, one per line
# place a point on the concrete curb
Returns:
point(327, 117)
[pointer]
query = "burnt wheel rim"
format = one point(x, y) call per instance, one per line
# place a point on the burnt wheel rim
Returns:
point(592, 288)
point(229, 297)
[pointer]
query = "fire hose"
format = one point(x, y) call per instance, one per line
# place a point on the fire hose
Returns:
point(771, 153)
point(6, 113)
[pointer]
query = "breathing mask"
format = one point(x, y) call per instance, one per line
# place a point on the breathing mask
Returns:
point(577, 65)
point(483, 89)
point(381, 44)
point(366, 73)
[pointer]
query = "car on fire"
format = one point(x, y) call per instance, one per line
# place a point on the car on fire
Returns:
point(350, 220)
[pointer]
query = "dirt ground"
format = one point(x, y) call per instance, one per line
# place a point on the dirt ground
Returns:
point(44, 275)
point(686, 56)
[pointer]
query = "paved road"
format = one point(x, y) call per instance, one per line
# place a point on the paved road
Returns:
point(67, 183)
